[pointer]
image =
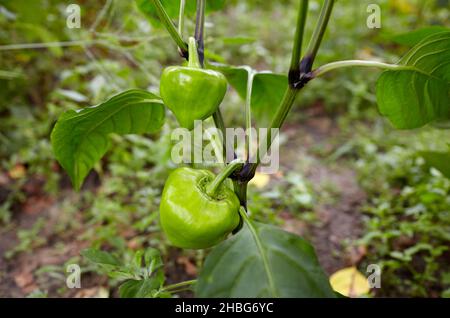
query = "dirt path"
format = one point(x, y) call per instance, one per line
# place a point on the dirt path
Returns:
point(340, 221)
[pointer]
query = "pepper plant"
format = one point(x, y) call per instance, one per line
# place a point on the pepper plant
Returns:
point(200, 209)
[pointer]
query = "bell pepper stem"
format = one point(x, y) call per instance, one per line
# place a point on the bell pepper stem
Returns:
point(194, 62)
point(212, 188)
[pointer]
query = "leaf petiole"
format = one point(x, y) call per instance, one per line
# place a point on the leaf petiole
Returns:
point(170, 27)
point(181, 18)
point(350, 63)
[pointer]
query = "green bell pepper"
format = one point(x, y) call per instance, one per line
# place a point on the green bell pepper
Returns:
point(192, 93)
point(198, 210)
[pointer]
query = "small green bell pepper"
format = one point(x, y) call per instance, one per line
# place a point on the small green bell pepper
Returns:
point(197, 209)
point(192, 93)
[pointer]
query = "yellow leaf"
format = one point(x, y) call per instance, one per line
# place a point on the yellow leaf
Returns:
point(349, 282)
point(403, 6)
point(17, 172)
point(260, 180)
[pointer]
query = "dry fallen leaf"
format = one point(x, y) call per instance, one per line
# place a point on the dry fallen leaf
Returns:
point(260, 180)
point(37, 205)
point(94, 292)
point(355, 254)
point(349, 282)
point(189, 267)
point(25, 281)
point(3, 179)
point(134, 244)
point(17, 172)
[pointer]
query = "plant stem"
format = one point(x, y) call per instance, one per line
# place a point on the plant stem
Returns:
point(298, 39)
point(350, 63)
point(212, 188)
point(305, 68)
point(170, 27)
point(178, 285)
point(181, 18)
point(248, 112)
point(220, 124)
point(193, 54)
point(101, 15)
point(319, 32)
point(199, 29)
point(199, 36)
point(240, 188)
point(176, 291)
point(277, 122)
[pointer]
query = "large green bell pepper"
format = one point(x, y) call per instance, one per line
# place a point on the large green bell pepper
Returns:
point(193, 216)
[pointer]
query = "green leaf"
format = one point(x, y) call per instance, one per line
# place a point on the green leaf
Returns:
point(34, 31)
point(8, 75)
point(418, 92)
point(138, 258)
point(267, 91)
point(438, 160)
point(100, 257)
point(414, 37)
point(80, 138)
point(339, 295)
point(263, 261)
point(139, 288)
point(153, 260)
point(150, 259)
point(35, 12)
point(172, 8)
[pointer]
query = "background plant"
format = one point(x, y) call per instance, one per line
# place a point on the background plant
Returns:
point(87, 80)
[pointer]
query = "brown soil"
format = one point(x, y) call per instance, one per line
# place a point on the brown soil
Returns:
point(339, 221)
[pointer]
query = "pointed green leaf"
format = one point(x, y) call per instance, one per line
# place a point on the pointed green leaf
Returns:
point(267, 90)
point(419, 91)
point(80, 138)
point(438, 160)
point(100, 257)
point(414, 37)
point(172, 8)
point(139, 288)
point(263, 261)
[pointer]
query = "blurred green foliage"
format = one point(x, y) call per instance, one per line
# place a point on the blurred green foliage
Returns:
point(407, 202)
point(407, 214)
